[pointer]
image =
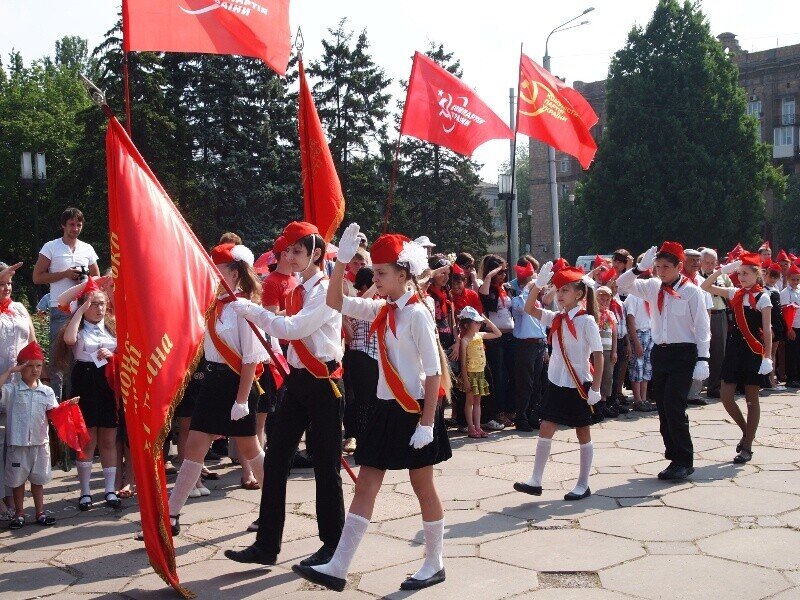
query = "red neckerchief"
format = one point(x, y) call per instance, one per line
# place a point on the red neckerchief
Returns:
point(501, 290)
point(668, 289)
point(737, 302)
point(5, 307)
point(441, 297)
point(618, 310)
point(563, 317)
point(692, 278)
point(350, 276)
point(555, 328)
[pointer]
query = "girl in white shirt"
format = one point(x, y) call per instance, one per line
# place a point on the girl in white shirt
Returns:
point(574, 386)
point(406, 427)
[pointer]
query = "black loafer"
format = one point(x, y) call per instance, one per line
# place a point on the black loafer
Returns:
point(571, 496)
point(329, 581)
point(419, 584)
point(320, 557)
point(112, 501)
point(533, 490)
point(679, 473)
point(176, 528)
point(252, 554)
point(667, 473)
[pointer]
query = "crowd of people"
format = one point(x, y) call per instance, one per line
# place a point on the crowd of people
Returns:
point(377, 339)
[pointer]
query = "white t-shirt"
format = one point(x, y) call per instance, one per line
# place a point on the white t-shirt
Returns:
point(62, 258)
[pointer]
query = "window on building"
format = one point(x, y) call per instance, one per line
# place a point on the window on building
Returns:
point(784, 136)
point(788, 112)
point(565, 164)
point(564, 190)
point(754, 108)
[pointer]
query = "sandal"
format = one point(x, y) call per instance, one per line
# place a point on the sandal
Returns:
point(250, 485)
point(206, 474)
point(45, 520)
point(743, 457)
point(113, 501)
point(84, 506)
point(123, 493)
point(17, 523)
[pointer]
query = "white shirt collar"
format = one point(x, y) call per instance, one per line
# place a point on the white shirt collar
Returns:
point(312, 281)
point(21, 385)
point(571, 314)
point(403, 300)
point(99, 325)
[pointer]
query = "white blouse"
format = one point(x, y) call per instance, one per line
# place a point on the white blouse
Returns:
point(502, 317)
point(92, 337)
point(14, 332)
point(236, 333)
point(578, 350)
point(764, 302)
point(414, 352)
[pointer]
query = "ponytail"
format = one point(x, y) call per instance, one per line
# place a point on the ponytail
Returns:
point(249, 281)
point(591, 301)
point(447, 381)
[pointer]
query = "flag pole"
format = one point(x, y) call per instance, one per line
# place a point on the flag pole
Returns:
point(513, 245)
point(126, 91)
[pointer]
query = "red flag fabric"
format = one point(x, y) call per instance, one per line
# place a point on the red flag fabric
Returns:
point(67, 419)
point(442, 110)
point(554, 113)
point(164, 283)
point(258, 28)
point(323, 201)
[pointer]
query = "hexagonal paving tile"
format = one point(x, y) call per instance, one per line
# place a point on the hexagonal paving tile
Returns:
point(774, 548)
point(562, 550)
point(656, 524)
point(776, 481)
point(733, 501)
point(781, 440)
point(761, 455)
point(461, 527)
point(611, 457)
point(472, 461)
point(466, 487)
point(599, 435)
point(22, 581)
point(521, 446)
point(667, 577)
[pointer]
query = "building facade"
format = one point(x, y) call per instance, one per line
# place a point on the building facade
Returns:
point(490, 194)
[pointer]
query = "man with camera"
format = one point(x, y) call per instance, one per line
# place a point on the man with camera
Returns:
point(62, 263)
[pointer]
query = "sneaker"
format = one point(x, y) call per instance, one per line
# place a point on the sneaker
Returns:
point(194, 493)
point(493, 425)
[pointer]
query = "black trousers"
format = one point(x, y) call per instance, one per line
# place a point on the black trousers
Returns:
point(528, 371)
point(793, 357)
point(673, 367)
point(309, 405)
point(621, 366)
point(361, 374)
point(500, 359)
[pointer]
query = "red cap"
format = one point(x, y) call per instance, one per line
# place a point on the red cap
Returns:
point(792, 257)
point(775, 268)
point(599, 261)
point(387, 248)
point(782, 256)
point(221, 254)
point(559, 264)
point(456, 270)
point(673, 248)
point(279, 245)
point(297, 230)
point(523, 272)
point(794, 270)
point(608, 276)
point(91, 286)
point(567, 275)
point(32, 351)
point(752, 259)
point(764, 246)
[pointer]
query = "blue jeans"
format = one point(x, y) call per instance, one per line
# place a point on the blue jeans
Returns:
point(58, 320)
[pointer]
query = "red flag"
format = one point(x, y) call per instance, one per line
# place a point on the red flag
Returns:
point(553, 113)
point(68, 422)
point(164, 283)
point(323, 201)
point(442, 110)
point(258, 28)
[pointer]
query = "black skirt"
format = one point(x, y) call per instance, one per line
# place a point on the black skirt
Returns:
point(740, 365)
point(215, 394)
point(186, 408)
point(564, 406)
point(97, 403)
point(383, 444)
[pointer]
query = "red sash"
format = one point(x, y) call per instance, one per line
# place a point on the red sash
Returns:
point(556, 330)
point(669, 290)
point(231, 357)
point(737, 302)
point(294, 304)
point(384, 320)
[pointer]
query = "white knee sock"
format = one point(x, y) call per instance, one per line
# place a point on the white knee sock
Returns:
point(257, 465)
point(110, 476)
point(84, 476)
point(187, 479)
point(587, 454)
point(539, 462)
point(434, 540)
point(355, 526)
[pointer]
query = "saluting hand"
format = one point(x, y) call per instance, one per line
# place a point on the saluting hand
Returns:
point(348, 244)
point(729, 268)
point(545, 275)
point(649, 259)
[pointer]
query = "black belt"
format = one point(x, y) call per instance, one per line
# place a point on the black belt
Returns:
point(715, 311)
point(331, 364)
point(215, 366)
point(677, 345)
point(536, 341)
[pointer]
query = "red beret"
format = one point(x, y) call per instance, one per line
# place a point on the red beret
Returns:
point(457, 270)
point(387, 248)
point(673, 248)
point(297, 230)
point(279, 245)
point(523, 272)
point(567, 275)
point(599, 261)
point(32, 351)
point(752, 259)
point(221, 254)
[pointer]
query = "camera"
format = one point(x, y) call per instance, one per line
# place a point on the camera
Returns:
point(82, 271)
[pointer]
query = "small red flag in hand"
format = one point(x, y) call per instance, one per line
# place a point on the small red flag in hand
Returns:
point(442, 110)
point(554, 113)
point(258, 28)
point(68, 422)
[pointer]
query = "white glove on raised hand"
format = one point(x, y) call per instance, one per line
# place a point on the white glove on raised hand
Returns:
point(422, 436)
point(594, 397)
point(701, 371)
point(731, 267)
point(348, 244)
point(244, 308)
point(648, 259)
point(239, 410)
point(766, 366)
point(545, 275)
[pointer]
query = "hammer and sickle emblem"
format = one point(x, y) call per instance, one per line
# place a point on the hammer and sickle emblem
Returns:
point(529, 92)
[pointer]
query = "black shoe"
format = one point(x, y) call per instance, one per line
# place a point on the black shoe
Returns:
point(679, 473)
point(697, 402)
point(320, 557)
point(597, 415)
point(743, 457)
point(84, 506)
point(712, 394)
point(533, 490)
point(302, 461)
point(212, 456)
point(176, 528)
point(571, 496)
point(418, 584)
point(667, 473)
point(252, 554)
point(112, 501)
point(329, 581)
point(621, 408)
point(523, 426)
point(607, 410)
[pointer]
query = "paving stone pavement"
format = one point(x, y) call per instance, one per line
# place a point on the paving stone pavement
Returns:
point(730, 532)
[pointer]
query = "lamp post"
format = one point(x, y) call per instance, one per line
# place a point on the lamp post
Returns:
point(506, 195)
point(551, 152)
point(33, 174)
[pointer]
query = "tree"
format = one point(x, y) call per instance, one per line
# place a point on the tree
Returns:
point(679, 158)
point(787, 225)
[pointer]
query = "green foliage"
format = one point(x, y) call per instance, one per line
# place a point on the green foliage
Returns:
point(679, 158)
point(787, 209)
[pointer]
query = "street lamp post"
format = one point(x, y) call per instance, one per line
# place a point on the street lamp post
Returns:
point(33, 174)
point(551, 152)
point(506, 195)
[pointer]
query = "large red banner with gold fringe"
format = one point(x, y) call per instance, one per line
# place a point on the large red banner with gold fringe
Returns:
point(164, 283)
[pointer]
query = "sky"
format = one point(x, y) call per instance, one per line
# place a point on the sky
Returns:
point(484, 35)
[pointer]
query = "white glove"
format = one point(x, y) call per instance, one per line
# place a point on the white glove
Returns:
point(239, 410)
point(545, 275)
point(244, 308)
point(766, 366)
point(422, 436)
point(648, 259)
point(701, 371)
point(348, 244)
point(594, 397)
point(731, 267)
